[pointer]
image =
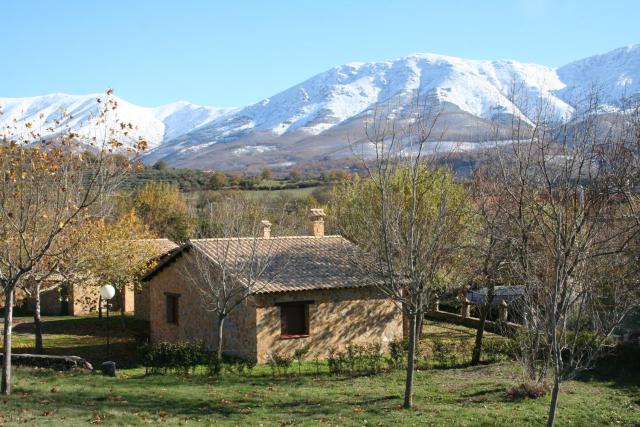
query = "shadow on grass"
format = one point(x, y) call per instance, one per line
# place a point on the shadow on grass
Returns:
point(123, 353)
point(229, 397)
point(621, 370)
point(84, 326)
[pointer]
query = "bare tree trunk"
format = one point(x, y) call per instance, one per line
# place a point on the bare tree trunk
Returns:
point(411, 355)
point(484, 313)
point(477, 348)
point(554, 402)
point(218, 361)
point(6, 360)
point(37, 321)
point(420, 324)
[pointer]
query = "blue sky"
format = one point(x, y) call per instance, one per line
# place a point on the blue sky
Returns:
point(238, 52)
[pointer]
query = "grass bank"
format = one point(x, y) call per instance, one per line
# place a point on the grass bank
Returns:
point(462, 396)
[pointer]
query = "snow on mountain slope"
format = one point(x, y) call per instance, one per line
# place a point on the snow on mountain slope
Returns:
point(43, 112)
point(480, 88)
point(153, 124)
point(182, 117)
point(331, 106)
point(615, 74)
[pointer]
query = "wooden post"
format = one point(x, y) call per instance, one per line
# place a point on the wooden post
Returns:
point(465, 309)
point(504, 311)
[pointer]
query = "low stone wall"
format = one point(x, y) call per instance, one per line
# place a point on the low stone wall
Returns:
point(500, 328)
point(58, 363)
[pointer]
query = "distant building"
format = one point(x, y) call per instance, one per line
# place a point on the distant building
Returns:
point(82, 297)
point(508, 294)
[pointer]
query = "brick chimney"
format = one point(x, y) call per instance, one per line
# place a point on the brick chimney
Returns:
point(266, 228)
point(316, 222)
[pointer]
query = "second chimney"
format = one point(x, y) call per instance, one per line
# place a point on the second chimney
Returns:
point(266, 228)
point(316, 222)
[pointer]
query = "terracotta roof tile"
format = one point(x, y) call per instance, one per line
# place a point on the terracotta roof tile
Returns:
point(295, 262)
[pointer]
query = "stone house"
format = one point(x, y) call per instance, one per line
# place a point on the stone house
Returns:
point(314, 298)
point(140, 296)
point(80, 297)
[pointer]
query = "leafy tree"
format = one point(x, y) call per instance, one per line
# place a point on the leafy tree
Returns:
point(412, 222)
point(266, 174)
point(119, 253)
point(295, 175)
point(164, 210)
point(218, 181)
point(160, 165)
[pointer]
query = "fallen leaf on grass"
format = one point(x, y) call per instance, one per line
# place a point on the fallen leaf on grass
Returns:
point(97, 418)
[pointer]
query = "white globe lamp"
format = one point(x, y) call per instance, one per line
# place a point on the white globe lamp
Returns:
point(107, 292)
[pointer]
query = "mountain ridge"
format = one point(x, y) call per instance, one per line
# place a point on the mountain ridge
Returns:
point(314, 118)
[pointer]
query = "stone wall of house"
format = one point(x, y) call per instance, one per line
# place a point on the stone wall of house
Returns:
point(83, 299)
point(51, 302)
point(141, 302)
point(125, 298)
point(337, 318)
point(21, 302)
point(194, 322)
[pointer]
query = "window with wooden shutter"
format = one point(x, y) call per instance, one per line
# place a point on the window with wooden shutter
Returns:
point(294, 320)
point(172, 308)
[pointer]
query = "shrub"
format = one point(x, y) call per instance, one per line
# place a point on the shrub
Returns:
point(336, 362)
point(279, 363)
point(441, 351)
point(357, 358)
point(397, 353)
point(497, 349)
point(180, 357)
point(528, 391)
point(299, 356)
point(238, 365)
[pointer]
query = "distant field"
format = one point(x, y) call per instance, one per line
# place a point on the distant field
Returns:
point(291, 192)
point(266, 194)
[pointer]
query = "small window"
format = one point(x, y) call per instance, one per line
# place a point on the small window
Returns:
point(294, 320)
point(172, 308)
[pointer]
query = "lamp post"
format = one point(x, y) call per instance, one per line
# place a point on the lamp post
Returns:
point(106, 293)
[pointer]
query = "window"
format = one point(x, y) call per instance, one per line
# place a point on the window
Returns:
point(172, 308)
point(294, 319)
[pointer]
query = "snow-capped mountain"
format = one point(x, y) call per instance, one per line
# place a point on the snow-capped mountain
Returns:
point(314, 119)
point(614, 75)
point(49, 114)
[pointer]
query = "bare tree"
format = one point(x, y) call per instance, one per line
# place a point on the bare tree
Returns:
point(488, 255)
point(49, 185)
point(407, 216)
point(45, 278)
point(239, 261)
point(567, 228)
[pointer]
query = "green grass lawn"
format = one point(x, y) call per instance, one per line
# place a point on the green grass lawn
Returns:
point(82, 336)
point(468, 396)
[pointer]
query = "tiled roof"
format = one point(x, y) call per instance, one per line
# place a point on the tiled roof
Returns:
point(160, 247)
point(294, 263)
